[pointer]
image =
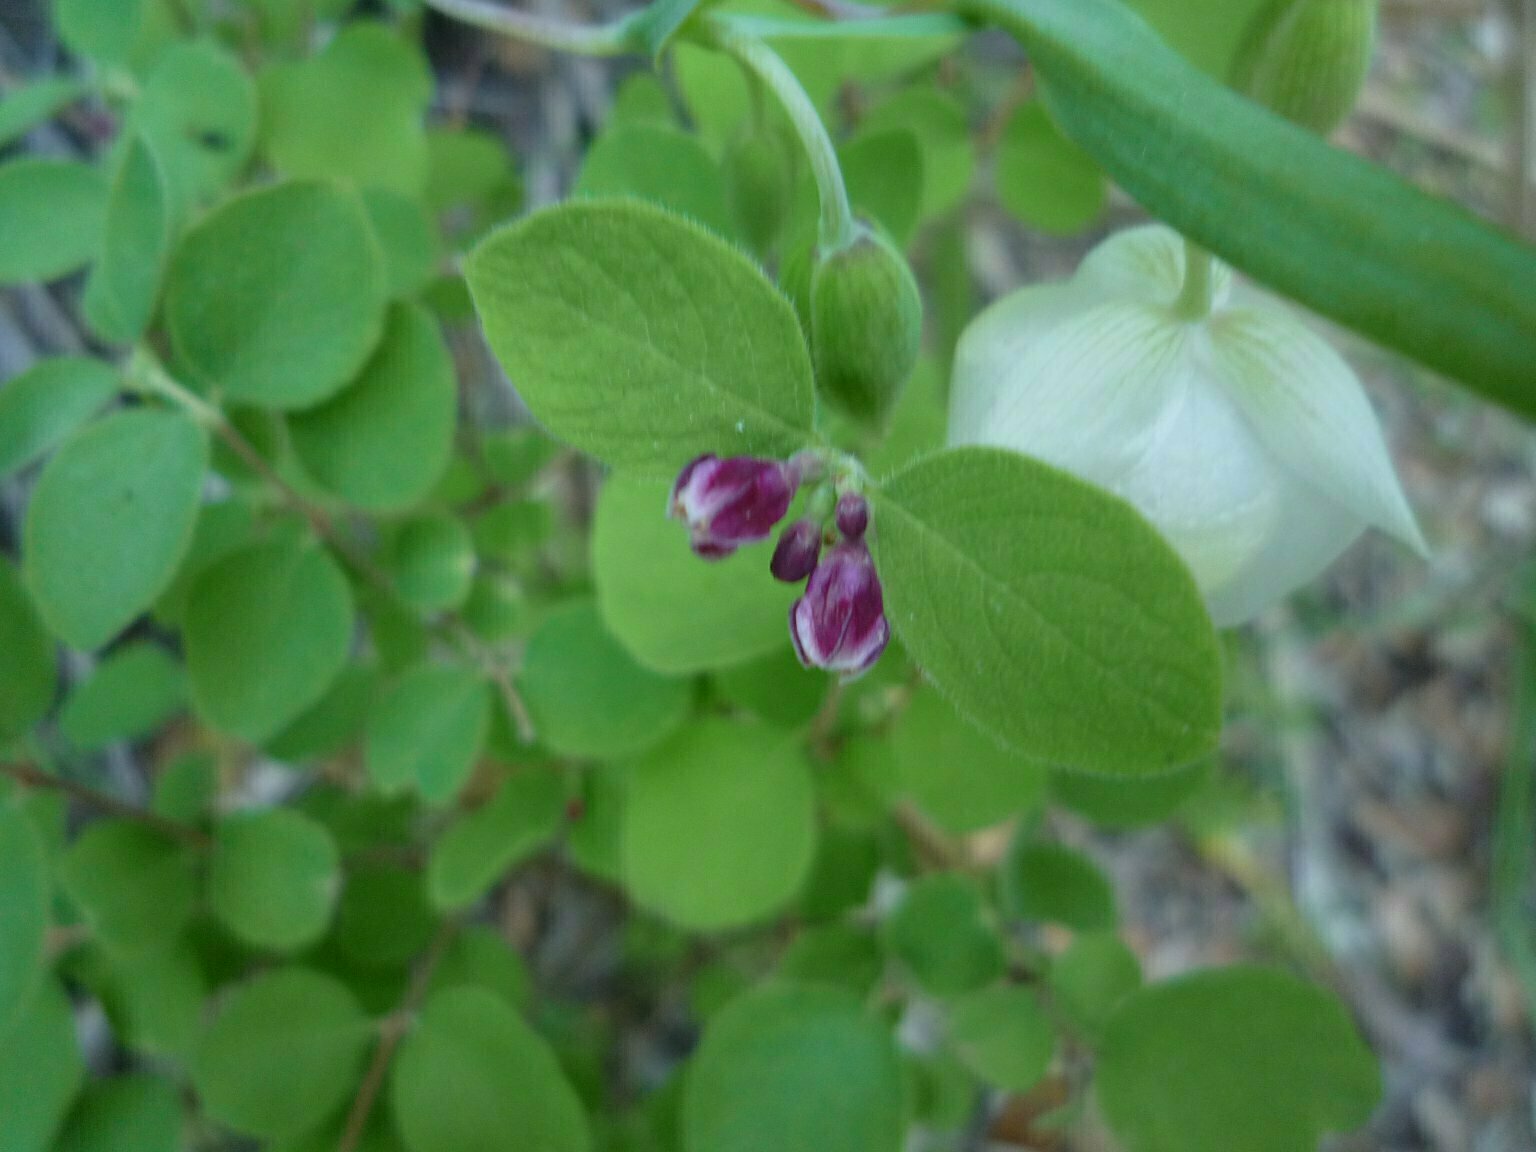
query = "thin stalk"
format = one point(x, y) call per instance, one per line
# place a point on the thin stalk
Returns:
point(1198, 294)
point(764, 63)
point(614, 39)
point(29, 776)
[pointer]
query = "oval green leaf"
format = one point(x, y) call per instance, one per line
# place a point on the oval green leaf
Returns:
point(276, 298)
point(24, 905)
point(1186, 1064)
point(789, 1068)
point(427, 729)
point(110, 519)
point(719, 828)
point(52, 213)
point(1049, 612)
point(638, 337)
point(44, 404)
point(273, 878)
point(471, 1076)
point(29, 669)
point(267, 630)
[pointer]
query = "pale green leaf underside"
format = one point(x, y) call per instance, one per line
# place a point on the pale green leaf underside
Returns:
point(1049, 612)
point(640, 338)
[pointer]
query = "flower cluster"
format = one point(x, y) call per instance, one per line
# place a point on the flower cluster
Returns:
point(839, 623)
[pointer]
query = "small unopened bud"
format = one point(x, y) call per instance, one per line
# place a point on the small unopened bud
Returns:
point(866, 324)
point(795, 555)
point(728, 503)
point(852, 515)
point(839, 624)
point(1308, 59)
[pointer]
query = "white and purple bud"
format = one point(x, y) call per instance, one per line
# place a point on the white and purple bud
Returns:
point(728, 503)
point(798, 549)
point(839, 624)
point(852, 515)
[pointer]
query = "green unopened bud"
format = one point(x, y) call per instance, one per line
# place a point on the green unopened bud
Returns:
point(1307, 59)
point(759, 184)
point(866, 324)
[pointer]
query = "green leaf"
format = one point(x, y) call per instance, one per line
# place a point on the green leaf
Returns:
point(26, 107)
point(1336, 233)
point(663, 165)
point(273, 878)
point(44, 404)
point(155, 1002)
point(787, 1068)
point(640, 338)
point(40, 1070)
point(138, 1112)
point(471, 1076)
point(1053, 883)
point(131, 693)
point(383, 920)
point(383, 442)
point(1207, 32)
point(587, 696)
point(1091, 977)
point(480, 957)
point(135, 887)
point(675, 613)
point(103, 29)
point(1043, 178)
point(776, 688)
point(29, 670)
point(267, 631)
point(959, 775)
point(186, 789)
point(1049, 612)
point(333, 722)
point(24, 906)
point(285, 1052)
point(352, 112)
point(197, 112)
point(431, 560)
point(276, 297)
point(837, 954)
point(482, 847)
point(719, 828)
point(110, 519)
point(52, 213)
point(407, 237)
point(884, 172)
point(1239, 1058)
point(124, 286)
point(1128, 803)
point(426, 730)
point(938, 121)
point(940, 932)
point(1004, 1036)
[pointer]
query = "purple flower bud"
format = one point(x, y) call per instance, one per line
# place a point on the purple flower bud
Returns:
point(839, 624)
point(794, 558)
point(727, 503)
point(852, 515)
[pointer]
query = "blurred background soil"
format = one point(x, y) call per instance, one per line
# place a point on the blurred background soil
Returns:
point(1368, 822)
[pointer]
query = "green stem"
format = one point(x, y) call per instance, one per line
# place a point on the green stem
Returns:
point(760, 60)
point(615, 39)
point(1198, 294)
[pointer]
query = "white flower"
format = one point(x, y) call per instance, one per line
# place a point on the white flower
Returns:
point(1243, 436)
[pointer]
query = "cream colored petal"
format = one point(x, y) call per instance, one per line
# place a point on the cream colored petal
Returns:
point(1145, 264)
point(1309, 534)
point(1308, 409)
point(1075, 384)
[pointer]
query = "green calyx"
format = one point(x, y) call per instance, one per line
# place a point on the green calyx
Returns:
point(866, 324)
point(1308, 59)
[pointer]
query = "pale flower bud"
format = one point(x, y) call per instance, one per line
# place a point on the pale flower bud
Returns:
point(1243, 436)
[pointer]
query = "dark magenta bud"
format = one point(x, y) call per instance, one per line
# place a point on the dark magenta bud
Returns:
point(839, 624)
point(852, 515)
point(794, 558)
point(728, 503)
